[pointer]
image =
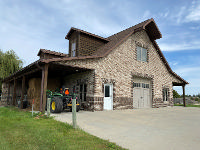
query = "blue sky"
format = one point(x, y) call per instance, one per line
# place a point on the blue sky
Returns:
point(27, 26)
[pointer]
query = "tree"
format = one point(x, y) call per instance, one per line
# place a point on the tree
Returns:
point(9, 63)
point(175, 94)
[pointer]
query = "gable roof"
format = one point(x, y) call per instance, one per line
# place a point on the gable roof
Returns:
point(115, 40)
point(51, 53)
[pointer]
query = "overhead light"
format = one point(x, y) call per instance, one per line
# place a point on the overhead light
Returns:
point(77, 70)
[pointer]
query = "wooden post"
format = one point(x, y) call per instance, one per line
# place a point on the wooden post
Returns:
point(42, 90)
point(14, 92)
point(74, 113)
point(48, 106)
point(32, 106)
point(8, 98)
point(23, 91)
point(45, 87)
point(184, 103)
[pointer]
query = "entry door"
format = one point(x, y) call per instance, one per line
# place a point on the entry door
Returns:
point(108, 97)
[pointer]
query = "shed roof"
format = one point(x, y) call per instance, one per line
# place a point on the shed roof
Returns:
point(51, 53)
point(55, 69)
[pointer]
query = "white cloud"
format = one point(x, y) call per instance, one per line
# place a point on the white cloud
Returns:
point(191, 75)
point(187, 71)
point(180, 46)
point(87, 15)
point(179, 15)
point(194, 12)
point(185, 13)
point(147, 14)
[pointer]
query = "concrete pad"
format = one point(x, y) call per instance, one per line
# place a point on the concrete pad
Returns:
point(169, 128)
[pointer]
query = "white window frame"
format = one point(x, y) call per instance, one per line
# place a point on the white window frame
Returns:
point(73, 49)
point(142, 51)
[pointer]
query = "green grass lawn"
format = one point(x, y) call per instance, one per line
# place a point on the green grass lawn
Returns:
point(189, 105)
point(19, 131)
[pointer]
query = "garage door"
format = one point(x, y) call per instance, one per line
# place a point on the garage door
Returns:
point(141, 93)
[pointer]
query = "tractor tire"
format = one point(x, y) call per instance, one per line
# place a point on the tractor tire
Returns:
point(56, 105)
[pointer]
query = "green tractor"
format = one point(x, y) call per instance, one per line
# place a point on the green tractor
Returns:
point(61, 100)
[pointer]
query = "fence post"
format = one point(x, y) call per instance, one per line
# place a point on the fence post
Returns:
point(32, 107)
point(74, 113)
point(48, 106)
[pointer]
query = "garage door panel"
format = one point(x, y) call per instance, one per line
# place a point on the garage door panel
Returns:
point(141, 93)
point(146, 98)
point(136, 98)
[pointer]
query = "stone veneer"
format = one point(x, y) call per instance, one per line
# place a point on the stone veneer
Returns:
point(121, 65)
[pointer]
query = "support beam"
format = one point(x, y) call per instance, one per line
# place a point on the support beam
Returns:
point(44, 88)
point(8, 96)
point(23, 91)
point(184, 103)
point(14, 92)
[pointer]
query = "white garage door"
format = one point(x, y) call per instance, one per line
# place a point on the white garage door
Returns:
point(141, 93)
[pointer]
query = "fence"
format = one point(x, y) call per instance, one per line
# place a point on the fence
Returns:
point(8, 100)
point(187, 100)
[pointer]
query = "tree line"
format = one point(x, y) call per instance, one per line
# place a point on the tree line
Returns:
point(9, 63)
point(176, 95)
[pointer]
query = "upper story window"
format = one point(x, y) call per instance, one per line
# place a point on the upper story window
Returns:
point(73, 53)
point(141, 54)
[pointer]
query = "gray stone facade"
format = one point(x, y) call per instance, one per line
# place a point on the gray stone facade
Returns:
point(119, 67)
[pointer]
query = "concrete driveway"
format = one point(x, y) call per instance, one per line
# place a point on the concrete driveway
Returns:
point(169, 128)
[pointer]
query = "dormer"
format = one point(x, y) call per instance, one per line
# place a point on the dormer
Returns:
point(82, 43)
point(47, 54)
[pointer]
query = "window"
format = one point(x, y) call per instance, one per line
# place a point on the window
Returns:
point(73, 54)
point(141, 54)
point(143, 85)
point(107, 91)
point(165, 94)
point(136, 84)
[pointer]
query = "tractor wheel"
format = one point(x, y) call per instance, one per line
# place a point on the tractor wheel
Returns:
point(56, 105)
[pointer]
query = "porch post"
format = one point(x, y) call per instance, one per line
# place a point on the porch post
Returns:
point(8, 97)
point(184, 103)
point(44, 87)
point(22, 92)
point(14, 91)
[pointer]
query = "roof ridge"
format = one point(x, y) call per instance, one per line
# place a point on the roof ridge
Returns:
point(130, 27)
